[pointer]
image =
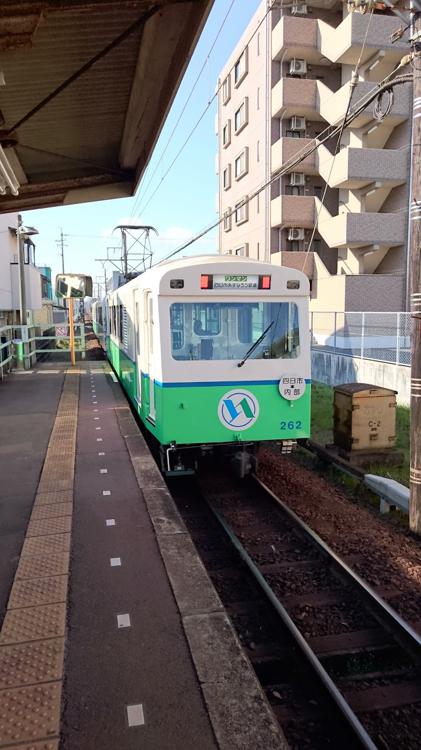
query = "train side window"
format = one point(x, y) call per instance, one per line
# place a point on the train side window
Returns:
point(120, 320)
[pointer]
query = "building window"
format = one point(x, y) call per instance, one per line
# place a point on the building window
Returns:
point(242, 250)
point(318, 191)
point(227, 220)
point(226, 89)
point(293, 190)
point(241, 211)
point(226, 134)
point(317, 246)
point(226, 177)
point(293, 134)
point(295, 246)
point(241, 164)
point(241, 67)
point(241, 116)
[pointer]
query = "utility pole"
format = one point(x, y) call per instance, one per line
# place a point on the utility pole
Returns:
point(415, 264)
point(61, 245)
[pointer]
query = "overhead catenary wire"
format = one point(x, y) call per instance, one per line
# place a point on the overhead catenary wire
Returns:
point(206, 109)
point(289, 166)
point(139, 196)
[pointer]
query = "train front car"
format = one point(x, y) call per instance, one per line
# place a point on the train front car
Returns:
point(235, 359)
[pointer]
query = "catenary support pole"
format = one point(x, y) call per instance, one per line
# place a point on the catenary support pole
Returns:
point(415, 250)
point(21, 265)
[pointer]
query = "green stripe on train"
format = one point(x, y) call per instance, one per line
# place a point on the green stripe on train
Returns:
point(209, 414)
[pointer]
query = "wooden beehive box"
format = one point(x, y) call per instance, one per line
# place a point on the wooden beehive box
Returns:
point(364, 417)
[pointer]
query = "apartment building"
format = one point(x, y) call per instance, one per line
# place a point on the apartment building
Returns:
point(342, 219)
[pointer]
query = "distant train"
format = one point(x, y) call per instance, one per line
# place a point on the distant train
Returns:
point(212, 351)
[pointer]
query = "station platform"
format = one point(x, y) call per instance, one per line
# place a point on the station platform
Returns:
point(112, 636)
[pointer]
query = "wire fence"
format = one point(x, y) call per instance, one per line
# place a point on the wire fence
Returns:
point(382, 336)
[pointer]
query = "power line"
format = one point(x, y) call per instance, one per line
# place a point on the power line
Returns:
point(137, 199)
point(205, 111)
point(289, 166)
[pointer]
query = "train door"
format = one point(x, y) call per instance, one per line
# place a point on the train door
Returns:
point(137, 337)
point(149, 335)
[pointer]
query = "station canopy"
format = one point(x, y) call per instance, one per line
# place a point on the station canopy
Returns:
point(85, 86)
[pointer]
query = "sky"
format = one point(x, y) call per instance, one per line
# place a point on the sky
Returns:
point(185, 201)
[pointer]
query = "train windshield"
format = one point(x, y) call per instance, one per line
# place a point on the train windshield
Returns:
point(224, 331)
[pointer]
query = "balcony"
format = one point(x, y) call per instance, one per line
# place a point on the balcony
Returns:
point(353, 230)
point(288, 148)
point(355, 168)
point(333, 106)
point(344, 44)
point(298, 36)
point(292, 211)
point(296, 96)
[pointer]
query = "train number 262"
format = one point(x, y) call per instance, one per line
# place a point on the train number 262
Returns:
point(291, 425)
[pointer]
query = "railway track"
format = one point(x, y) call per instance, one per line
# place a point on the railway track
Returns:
point(338, 665)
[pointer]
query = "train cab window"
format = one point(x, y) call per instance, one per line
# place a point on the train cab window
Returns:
point(177, 326)
point(207, 320)
point(226, 331)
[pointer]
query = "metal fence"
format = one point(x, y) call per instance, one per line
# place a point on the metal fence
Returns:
point(22, 346)
point(382, 336)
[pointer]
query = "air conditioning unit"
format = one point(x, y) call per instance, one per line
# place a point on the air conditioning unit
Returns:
point(296, 179)
point(298, 123)
point(299, 9)
point(295, 234)
point(297, 67)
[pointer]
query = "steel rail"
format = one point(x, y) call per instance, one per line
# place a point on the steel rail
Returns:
point(401, 631)
point(351, 720)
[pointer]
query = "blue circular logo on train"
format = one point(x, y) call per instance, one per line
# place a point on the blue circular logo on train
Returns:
point(238, 410)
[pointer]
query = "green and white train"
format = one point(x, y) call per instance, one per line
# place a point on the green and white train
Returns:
point(212, 351)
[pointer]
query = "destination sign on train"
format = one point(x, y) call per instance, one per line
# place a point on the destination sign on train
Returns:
point(235, 281)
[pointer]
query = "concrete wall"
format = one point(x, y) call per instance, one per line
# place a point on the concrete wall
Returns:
point(337, 369)
point(32, 287)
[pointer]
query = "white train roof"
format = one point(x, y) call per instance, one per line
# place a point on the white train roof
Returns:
point(154, 278)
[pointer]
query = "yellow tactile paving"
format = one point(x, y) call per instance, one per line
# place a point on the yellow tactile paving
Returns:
point(29, 663)
point(40, 567)
point(51, 511)
point(37, 546)
point(50, 498)
point(60, 483)
point(33, 623)
point(43, 745)
point(43, 526)
point(29, 713)
point(37, 591)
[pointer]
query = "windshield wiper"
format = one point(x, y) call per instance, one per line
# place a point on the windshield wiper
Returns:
point(256, 344)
